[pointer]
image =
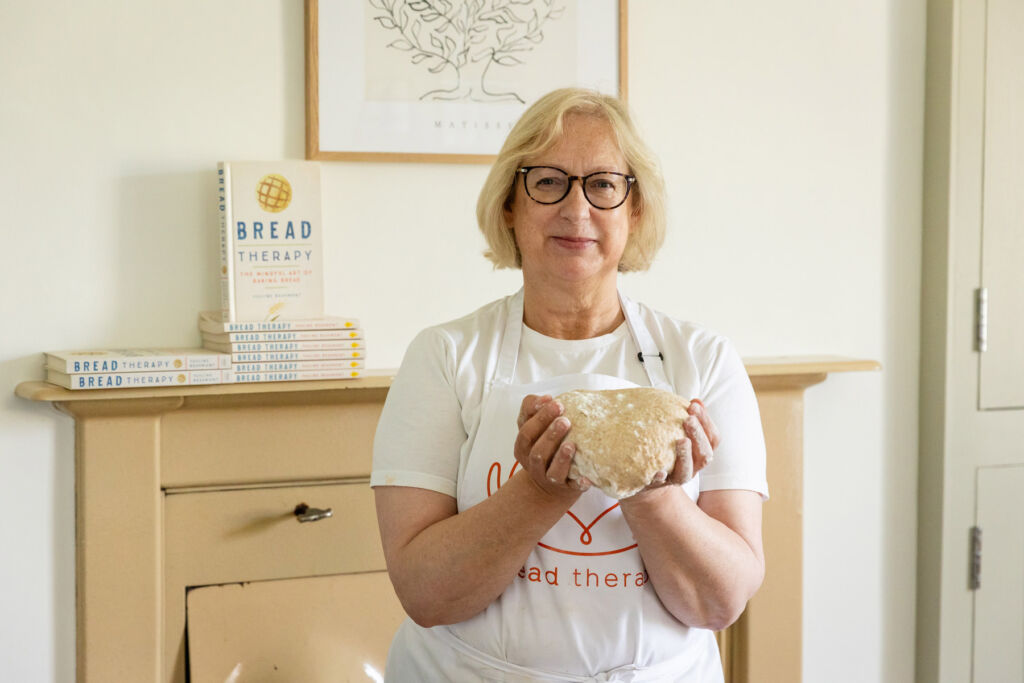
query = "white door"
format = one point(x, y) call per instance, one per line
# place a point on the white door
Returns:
point(999, 599)
point(972, 403)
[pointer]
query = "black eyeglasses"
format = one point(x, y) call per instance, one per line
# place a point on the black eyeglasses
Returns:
point(550, 185)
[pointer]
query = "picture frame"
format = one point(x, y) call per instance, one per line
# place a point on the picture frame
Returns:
point(445, 80)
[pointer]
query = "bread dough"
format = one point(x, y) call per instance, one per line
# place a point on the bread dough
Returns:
point(624, 437)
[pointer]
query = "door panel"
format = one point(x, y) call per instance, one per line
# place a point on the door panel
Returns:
point(1002, 272)
point(316, 630)
point(999, 601)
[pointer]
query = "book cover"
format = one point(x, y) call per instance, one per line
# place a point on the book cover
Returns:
point(135, 360)
point(125, 380)
point(291, 375)
point(280, 356)
point(251, 347)
point(301, 365)
point(270, 240)
point(301, 335)
point(215, 323)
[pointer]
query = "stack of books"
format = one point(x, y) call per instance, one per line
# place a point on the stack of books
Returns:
point(328, 347)
point(127, 368)
point(272, 320)
point(271, 326)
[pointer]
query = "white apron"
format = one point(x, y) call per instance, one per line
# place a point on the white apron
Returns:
point(582, 608)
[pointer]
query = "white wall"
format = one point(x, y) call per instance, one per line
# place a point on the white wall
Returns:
point(790, 134)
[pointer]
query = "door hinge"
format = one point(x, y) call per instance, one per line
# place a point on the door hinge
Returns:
point(981, 319)
point(975, 578)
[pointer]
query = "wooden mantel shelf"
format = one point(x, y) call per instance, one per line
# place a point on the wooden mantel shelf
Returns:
point(44, 391)
point(178, 487)
point(814, 368)
point(806, 365)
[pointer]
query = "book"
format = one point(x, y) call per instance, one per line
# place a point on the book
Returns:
point(251, 347)
point(125, 380)
point(301, 335)
point(214, 322)
point(301, 365)
point(281, 356)
point(291, 375)
point(135, 360)
point(271, 247)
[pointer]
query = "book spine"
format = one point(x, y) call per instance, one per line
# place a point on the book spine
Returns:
point(116, 364)
point(302, 335)
point(279, 325)
point(227, 270)
point(281, 356)
point(301, 366)
point(252, 347)
point(291, 375)
point(126, 380)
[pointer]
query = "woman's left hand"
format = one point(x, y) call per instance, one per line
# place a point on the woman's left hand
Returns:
point(693, 452)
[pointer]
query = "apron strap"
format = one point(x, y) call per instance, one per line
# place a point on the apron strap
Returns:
point(647, 351)
point(509, 350)
point(648, 354)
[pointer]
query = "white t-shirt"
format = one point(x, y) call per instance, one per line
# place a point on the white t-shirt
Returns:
point(432, 411)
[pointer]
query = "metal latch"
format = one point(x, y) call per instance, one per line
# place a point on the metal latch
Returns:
point(975, 578)
point(304, 513)
point(981, 319)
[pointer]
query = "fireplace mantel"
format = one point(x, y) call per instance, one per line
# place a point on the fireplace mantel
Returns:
point(143, 456)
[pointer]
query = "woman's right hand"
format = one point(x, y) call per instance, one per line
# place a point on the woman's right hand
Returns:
point(540, 451)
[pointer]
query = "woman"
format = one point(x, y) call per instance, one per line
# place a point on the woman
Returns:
point(508, 569)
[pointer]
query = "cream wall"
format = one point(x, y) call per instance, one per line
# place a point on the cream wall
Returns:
point(790, 134)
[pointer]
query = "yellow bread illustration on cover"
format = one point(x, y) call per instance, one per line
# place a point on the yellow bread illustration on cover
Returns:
point(274, 193)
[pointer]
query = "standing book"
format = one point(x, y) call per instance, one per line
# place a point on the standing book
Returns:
point(271, 246)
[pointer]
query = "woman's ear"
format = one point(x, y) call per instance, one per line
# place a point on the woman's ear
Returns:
point(636, 212)
point(506, 213)
point(506, 208)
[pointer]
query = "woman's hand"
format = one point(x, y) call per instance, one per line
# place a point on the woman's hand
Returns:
point(540, 451)
point(693, 452)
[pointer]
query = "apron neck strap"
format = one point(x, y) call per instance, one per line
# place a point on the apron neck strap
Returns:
point(648, 353)
point(509, 353)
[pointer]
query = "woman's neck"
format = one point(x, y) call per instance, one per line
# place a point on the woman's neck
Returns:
point(578, 312)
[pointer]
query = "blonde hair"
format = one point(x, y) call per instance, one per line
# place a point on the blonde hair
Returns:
point(538, 129)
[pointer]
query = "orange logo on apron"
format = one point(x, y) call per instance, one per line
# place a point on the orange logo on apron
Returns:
point(586, 538)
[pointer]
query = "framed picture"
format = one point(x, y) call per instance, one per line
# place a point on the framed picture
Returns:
point(445, 80)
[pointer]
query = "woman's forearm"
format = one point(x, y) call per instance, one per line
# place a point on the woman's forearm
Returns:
point(456, 566)
point(703, 571)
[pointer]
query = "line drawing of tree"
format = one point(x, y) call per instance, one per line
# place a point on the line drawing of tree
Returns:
point(467, 39)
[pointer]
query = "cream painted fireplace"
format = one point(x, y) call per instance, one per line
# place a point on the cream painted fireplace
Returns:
point(189, 534)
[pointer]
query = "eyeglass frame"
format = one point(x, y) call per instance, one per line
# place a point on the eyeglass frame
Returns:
point(630, 180)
